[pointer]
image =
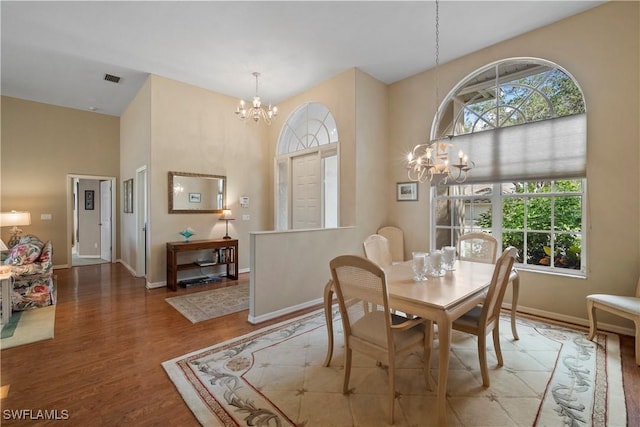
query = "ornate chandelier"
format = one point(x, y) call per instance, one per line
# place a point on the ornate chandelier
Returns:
point(256, 111)
point(431, 159)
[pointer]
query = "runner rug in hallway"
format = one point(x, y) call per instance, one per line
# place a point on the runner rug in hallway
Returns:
point(205, 305)
point(552, 376)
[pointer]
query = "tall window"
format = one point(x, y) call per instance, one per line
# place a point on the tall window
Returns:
point(523, 122)
point(307, 170)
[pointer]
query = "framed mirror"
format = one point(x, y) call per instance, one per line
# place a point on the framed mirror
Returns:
point(196, 193)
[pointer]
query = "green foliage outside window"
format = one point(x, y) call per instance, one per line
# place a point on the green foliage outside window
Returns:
point(548, 227)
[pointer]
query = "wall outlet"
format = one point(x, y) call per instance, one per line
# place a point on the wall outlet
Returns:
point(246, 217)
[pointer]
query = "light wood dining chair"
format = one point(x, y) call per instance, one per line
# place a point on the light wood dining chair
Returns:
point(485, 318)
point(375, 332)
point(376, 249)
point(478, 247)
point(620, 305)
point(395, 237)
point(483, 247)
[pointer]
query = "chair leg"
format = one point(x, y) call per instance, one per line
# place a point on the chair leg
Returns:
point(482, 355)
point(328, 299)
point(593, 320)
point(347, 369)
point(496, 345)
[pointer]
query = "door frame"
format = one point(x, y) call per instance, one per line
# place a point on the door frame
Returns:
point(70, 192)
point(141, 203)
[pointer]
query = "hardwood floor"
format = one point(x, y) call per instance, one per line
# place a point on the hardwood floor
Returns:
point(112, 334)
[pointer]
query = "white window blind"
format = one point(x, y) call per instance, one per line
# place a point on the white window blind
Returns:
point(548, 149)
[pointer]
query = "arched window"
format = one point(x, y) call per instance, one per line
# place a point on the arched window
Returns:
point(307, 170)
point(523, 123)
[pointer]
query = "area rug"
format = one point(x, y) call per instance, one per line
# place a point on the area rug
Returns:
point(274, 377)
point(32, 326)
point(206, 305)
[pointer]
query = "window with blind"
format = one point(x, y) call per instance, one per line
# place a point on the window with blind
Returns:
point(523, 123)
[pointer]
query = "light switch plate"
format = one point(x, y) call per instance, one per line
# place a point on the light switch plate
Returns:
point(45, 217)
point(246, 217)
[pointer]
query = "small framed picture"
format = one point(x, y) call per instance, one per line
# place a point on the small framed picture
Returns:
point(406, 191)
point(127, 192)
point(194, 198)
point(88, 200)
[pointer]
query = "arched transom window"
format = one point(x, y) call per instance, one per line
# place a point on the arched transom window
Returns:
point(307, 170)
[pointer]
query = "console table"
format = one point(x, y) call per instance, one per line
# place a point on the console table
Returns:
point(223, 252)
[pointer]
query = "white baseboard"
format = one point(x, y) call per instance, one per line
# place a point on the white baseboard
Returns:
point(288, 310)
point(156, 285)
point(572, 319)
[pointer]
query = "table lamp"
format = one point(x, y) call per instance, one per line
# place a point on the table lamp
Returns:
point(14, 219)
point(226, 216)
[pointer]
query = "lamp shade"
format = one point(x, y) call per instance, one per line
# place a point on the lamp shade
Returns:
point(226, 215)
point(14, 218)
point(3, 247)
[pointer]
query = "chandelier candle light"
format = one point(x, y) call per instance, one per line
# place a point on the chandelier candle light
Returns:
point(431, 159)
point(256, 111)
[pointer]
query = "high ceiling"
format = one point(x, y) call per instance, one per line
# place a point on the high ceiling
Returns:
point(59, 52)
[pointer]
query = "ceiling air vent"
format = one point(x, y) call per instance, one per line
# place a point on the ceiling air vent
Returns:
point(112, 78)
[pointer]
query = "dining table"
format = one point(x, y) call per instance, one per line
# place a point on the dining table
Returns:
point(440, 299)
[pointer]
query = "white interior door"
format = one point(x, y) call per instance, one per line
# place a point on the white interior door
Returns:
point(306, 192)
point(105, 220)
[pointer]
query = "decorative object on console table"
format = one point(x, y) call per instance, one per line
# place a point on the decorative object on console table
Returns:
point(227, 250)
point(14, 219)
point(187, 233)
point(226, 216)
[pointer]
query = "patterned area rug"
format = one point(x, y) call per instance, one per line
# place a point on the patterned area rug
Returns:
point(206, 305)
point(552, 376)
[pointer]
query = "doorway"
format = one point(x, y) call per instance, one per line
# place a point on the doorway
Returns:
point(142, 222)
point(90, 219)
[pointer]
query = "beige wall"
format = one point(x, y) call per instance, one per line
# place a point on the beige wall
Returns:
point(338, 94)
point(290, 269)
point(40, 145)
point(600, 48)
point(194, 130)
point(135, 149)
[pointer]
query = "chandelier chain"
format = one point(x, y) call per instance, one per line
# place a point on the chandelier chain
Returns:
point(433, 159)
point(437, 53)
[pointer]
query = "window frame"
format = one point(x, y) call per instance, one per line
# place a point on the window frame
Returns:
point(497, 230)
point(504, 152)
